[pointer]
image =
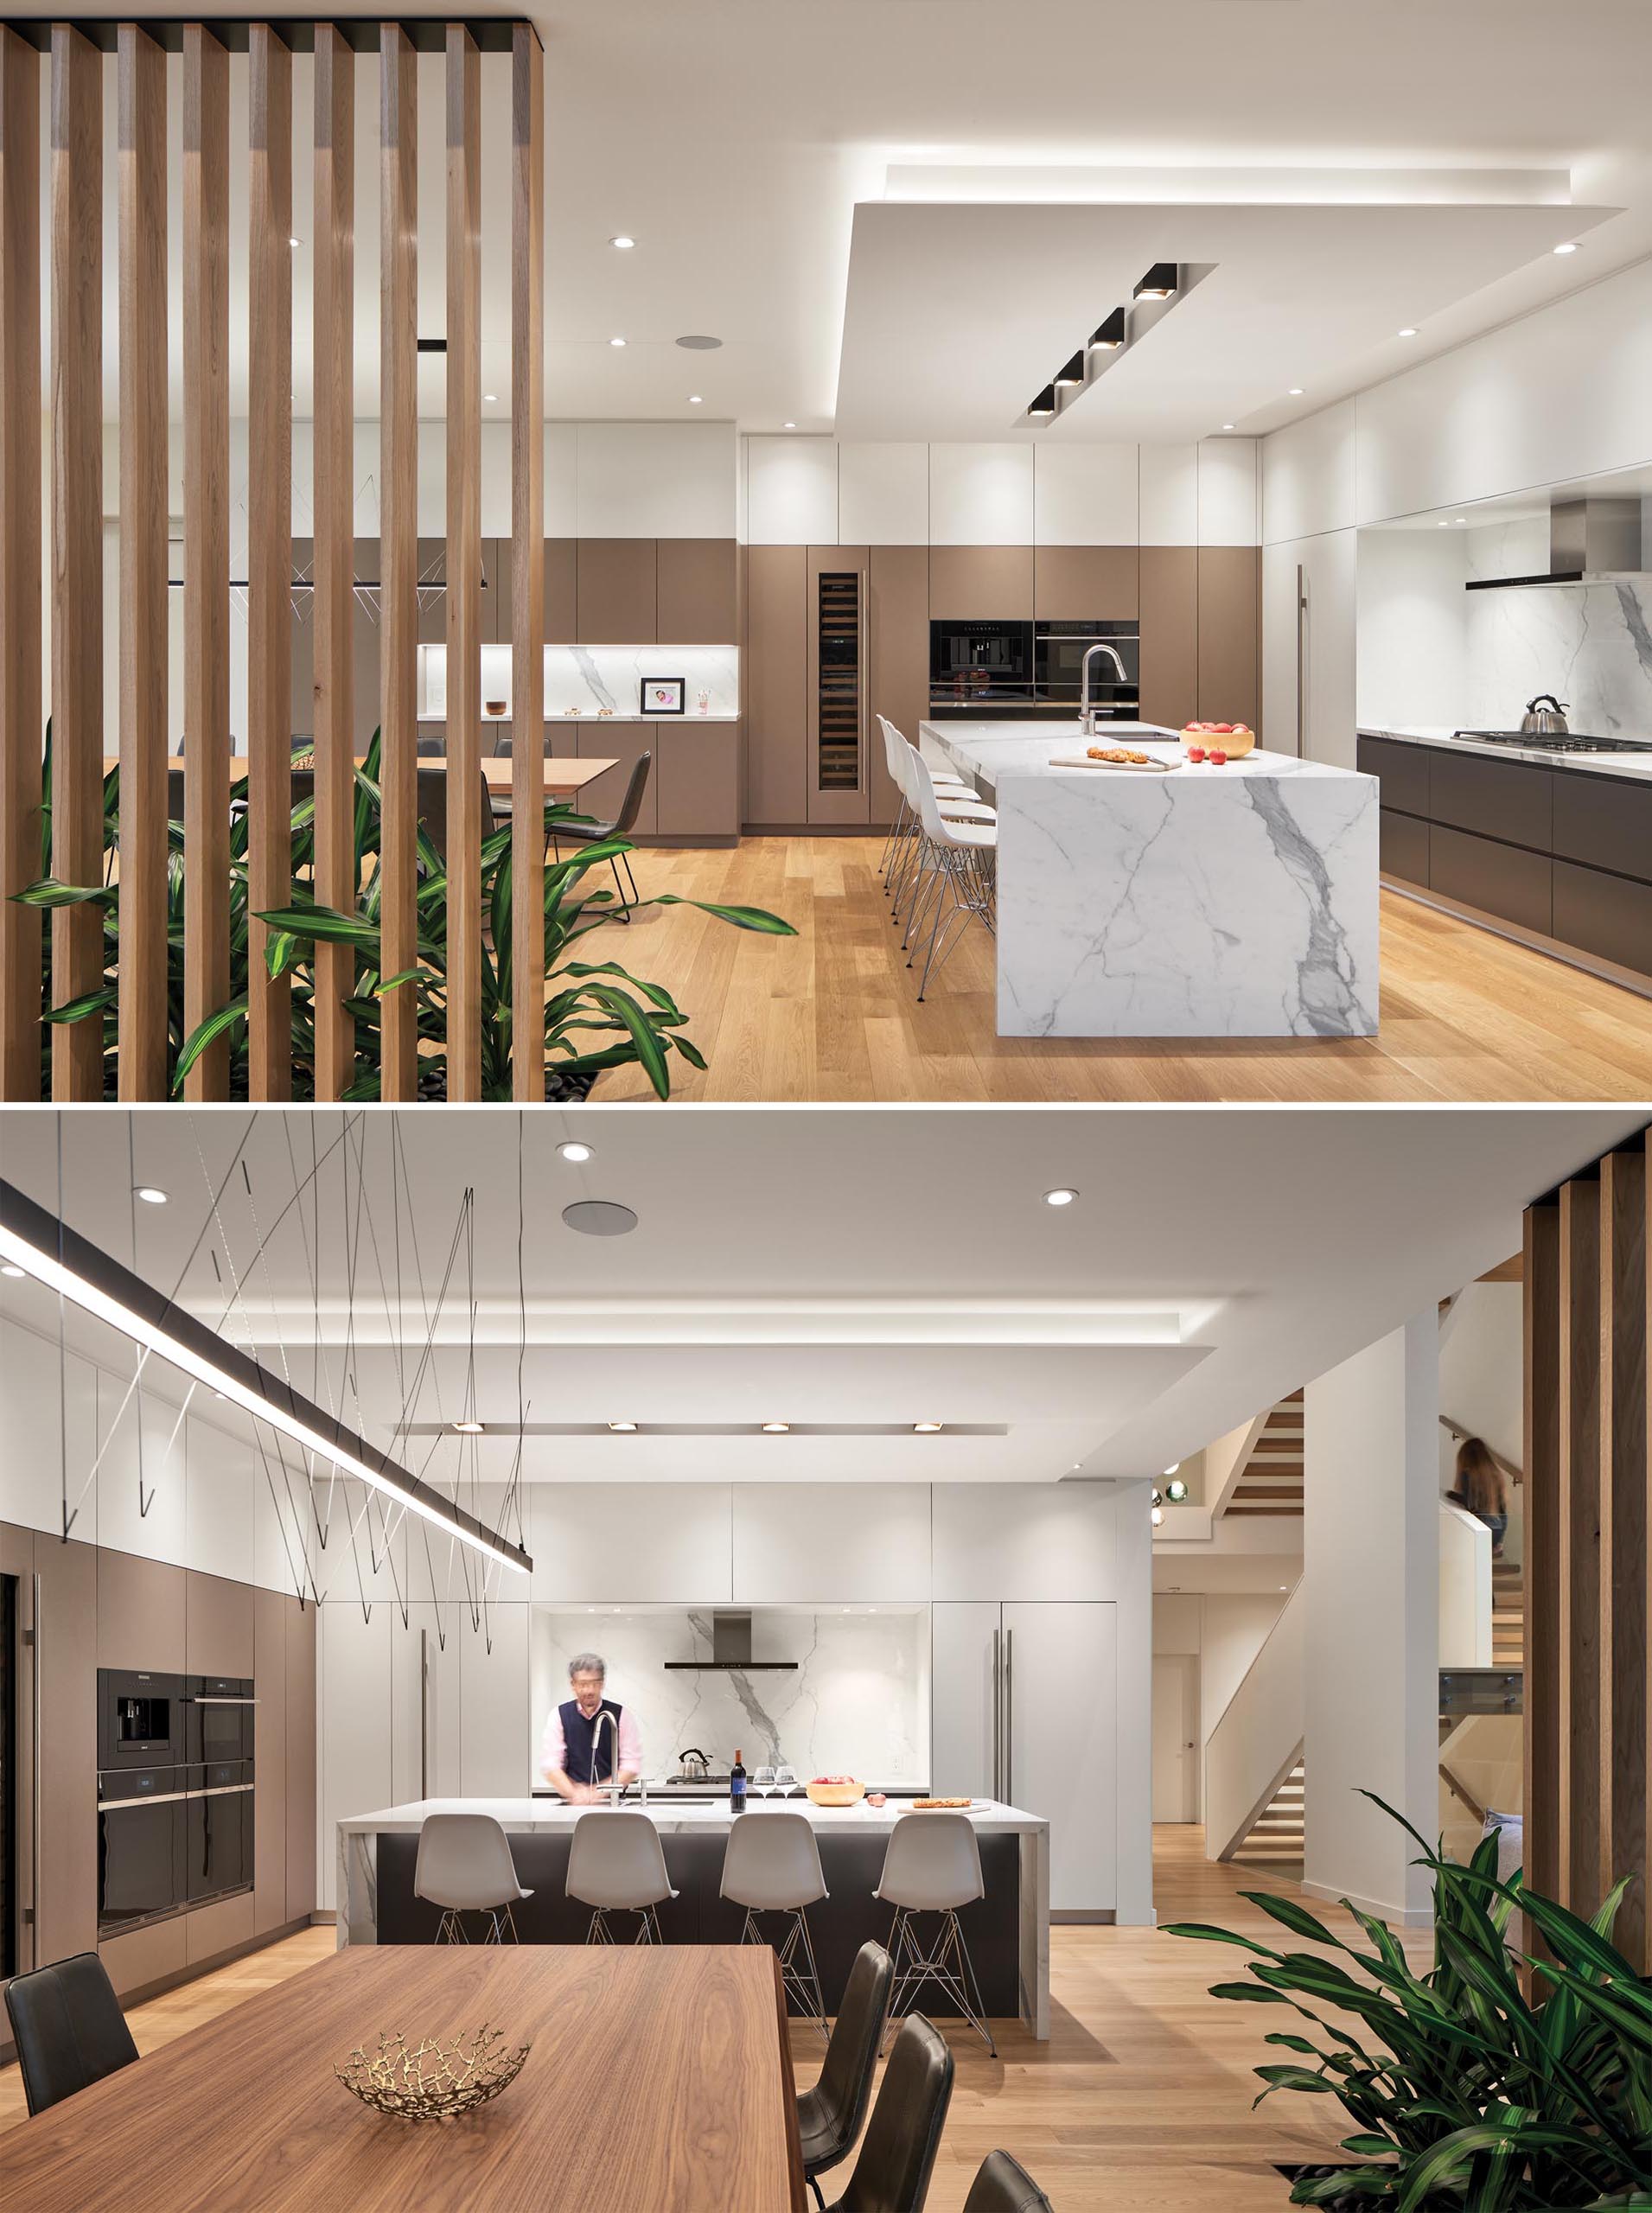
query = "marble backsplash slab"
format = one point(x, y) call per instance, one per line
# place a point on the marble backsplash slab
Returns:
point(1589, 644)
point(857, 1703)
point(587, 678)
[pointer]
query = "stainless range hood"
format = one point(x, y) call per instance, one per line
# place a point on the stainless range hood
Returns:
point(730, 1648)
point(1595, 541)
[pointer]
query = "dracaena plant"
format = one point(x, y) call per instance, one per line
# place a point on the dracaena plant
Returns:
point(1470, 2087)
point(597, 1014)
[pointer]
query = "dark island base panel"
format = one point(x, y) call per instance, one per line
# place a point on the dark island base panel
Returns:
point(838, 1925)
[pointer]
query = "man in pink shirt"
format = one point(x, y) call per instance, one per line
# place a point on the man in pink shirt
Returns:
point(589, 1737)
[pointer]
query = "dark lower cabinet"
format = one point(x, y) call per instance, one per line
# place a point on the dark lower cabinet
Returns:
point(1604, 822)
point(1507, 881)
point(1402, 846)
point(1493, 799)
point(1608, 916)
point(1402, 771)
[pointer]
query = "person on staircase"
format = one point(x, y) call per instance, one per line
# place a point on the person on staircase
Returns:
point(1481, 1484)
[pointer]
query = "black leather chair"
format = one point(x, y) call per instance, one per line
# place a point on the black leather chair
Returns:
point(831, 2115)
point(433, 807)
point(68, 2028)
point(897, 2156)
point(1005, 2186)
point(594, 833)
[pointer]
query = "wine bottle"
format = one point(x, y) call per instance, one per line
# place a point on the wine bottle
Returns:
point(737, 1787)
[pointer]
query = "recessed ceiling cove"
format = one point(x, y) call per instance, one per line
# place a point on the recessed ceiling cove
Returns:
point(956, 314)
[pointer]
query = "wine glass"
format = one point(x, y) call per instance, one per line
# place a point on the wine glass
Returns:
point(763, 1780)
point(786, 1779)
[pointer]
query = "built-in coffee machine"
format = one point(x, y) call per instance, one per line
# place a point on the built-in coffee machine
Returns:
point(174, 1792)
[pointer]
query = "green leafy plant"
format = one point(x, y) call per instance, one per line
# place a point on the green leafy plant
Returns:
point(1468, 2086)
point(597, 1014)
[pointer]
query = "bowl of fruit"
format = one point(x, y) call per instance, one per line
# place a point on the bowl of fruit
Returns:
point(835, 1790)
point(1206, 741)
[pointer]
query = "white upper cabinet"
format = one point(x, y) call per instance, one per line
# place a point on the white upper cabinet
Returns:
point(355, 1738)
point(1024, 1540)
point(1229, 503)
point(1308, 476)
point(980, 495)
point(1084, 495)
point(654, 480)
point(791, 492)
point(220, 1475)
point(883, 494)
point(34, 1462)
point(1170, 495)
point(833, 1542)
point(496, 1722)
point(605, 1544)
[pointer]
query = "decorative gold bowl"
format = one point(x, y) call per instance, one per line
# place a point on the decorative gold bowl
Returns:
point(835, 1794)
point(431, 2080)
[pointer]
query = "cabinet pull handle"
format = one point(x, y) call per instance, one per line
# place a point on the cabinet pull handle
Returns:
point(997, 1720)
point(423, 1715)
point(1009, 1717)
point(36, 1778)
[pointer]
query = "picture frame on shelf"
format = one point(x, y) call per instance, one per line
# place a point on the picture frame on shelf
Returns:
point(662, 695)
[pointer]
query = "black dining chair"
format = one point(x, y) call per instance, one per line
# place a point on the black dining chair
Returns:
point(595, 833)
point(831, 2114)
point(68, 2027)
point(898, 2155)
point(1003, 2185)
point(433, 807)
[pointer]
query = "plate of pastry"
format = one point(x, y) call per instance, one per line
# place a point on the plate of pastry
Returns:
point(1111, 756)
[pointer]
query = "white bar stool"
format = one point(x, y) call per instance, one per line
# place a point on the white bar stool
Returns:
point(933, 1866)
point(957, 872)
point(615, 1865)
point(464, 1865)
point(772, 1865)
point(954, 796)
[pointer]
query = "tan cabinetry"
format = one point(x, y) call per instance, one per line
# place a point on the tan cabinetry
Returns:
point(1230, 586)
point(65, 1652)
point(980, 583)
point(1169, 634)
point(697, 779)
point(776, 685)
point(270, 1611)
point(898, 631)
point(219, 1627)
point(616, 587)
point(561, 593)
point(695, 591)
point(140, 1614)
point(301, 1758)
point(622, 742)
point(1083, 583)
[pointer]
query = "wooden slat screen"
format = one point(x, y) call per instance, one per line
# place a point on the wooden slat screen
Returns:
point(1587, 1480)
point(399, 547)
point(144, 448)
point(464, 565)
point(22, 931)
point(527, 565)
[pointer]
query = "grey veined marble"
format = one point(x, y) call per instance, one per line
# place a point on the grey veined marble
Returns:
point(1239, 902)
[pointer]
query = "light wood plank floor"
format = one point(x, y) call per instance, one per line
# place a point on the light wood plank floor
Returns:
point(1140, 2098)
point(833, 1014)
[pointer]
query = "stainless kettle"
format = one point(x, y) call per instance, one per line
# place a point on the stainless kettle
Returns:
point(1545, 716)
point(694, 1765)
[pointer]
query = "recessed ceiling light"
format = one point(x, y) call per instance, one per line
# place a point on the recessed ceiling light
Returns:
point(492, 398)
point(695, 400)
point(1227, 426)
point(1442, 524)
point(468, 1428)
point(10, 1269)
point(616, 342)
point(1158, 1515)
point(788, 426)
point(1284, 1586)
point(1570, 247)
point(1296, 392)
point(1174, 1465)
point(1062, 1196)
point(775, 1428)
point(1407, 332)
point(152, 1194)
point(926, 1428)
point(624, 244)
point(623, 1428)
point(295, 241)
point(599, 1218)
point(572, 1149)
point(1460, 518)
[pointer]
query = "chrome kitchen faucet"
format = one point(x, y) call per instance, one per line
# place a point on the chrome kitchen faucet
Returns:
point(1087, 713)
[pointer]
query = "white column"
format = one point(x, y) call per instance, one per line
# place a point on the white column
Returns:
point(1370, 1571)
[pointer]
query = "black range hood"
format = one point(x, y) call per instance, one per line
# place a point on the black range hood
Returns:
point(730, 1648)
point(1595, 541)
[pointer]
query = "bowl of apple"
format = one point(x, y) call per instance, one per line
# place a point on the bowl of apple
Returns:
point(835, 1790)
point(1204, 741)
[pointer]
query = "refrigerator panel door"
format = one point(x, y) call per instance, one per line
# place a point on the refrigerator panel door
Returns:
point(1061, 1740)
point(965, 1675)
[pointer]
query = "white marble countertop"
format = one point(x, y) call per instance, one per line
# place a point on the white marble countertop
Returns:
point(995, 750)
point(590, 715)
point(988, 1816)
point(1638, 766)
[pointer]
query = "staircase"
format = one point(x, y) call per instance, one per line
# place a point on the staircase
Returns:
point(1271, 1480)
point(1274, 1841)
point(1508, 1614)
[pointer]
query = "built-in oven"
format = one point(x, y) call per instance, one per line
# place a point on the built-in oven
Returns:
point(220, 1717)
point(140, 1720)
point(142, 1832)
point(980, 664)
point(1058, 666)
point(219, 1855)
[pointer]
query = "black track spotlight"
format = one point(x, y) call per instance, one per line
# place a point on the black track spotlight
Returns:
point(1044, 404)
point(1158, 283)
point(1109, 336)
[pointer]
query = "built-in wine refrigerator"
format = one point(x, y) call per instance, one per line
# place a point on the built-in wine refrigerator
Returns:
point(838, 774)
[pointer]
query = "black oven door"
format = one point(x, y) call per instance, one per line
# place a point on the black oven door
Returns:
point(1060, 648)
point(140, 1719)
point(141, 1824)
point(979, 661)
point(220, 1833)
point(221, 1710)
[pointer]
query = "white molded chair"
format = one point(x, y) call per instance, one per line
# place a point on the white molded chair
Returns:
point(956, 873)
point(615, 1865)
point(933, 1866)
point(464, 1865)
point(956, 797)
point(772, 1865)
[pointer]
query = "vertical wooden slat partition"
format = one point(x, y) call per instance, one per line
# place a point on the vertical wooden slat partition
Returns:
point(399, 547)
point(77, 546)
point(1588, 1485)
point(269, 572)
point(142, 1040)
point(206, 548)
point(527, 565)
point(22, 931)
point(464, 565)
point(332, 262)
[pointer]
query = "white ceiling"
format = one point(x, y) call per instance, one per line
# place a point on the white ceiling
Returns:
point(735, 139)
point(839, 1266)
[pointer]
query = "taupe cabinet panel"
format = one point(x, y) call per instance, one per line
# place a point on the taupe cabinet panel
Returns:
point(141, 1956)
point(217, 1927)
point(777, 683)
point(697, 779)
point(898, 633)
point(616, 587)
point(218, 1627)
point(695, 591)
point(981, 583)
point(1229, 618)
point(300, 1759)
point(140, 1614)
point(561, 593)
point(1076, 583)
point(65, 1652)
point(270, 1611)
point(623, 743)
point(1169, 634)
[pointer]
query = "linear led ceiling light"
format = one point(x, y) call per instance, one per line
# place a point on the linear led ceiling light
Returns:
point(1159, 283)
point(68, 1264)
point(1108, 337)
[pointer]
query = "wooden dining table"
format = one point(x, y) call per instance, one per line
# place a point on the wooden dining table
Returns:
point(657, 2081)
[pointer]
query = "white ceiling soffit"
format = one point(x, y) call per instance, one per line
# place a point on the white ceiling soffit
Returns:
point(957, 314)
point(1058, 184)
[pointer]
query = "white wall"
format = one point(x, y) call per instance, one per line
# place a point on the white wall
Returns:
point(1370, 1568)
point(1225, 1631)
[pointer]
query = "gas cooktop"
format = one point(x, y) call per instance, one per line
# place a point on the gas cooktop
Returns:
point(1552, 742)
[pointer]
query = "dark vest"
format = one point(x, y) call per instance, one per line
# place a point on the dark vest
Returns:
point(580, 1761)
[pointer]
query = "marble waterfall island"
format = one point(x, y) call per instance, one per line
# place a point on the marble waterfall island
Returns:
point(1233, 902)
